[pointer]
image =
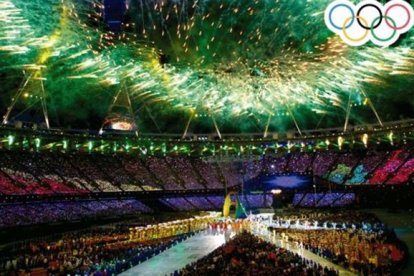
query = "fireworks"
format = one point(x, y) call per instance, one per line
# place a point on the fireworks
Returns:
point(268, 61)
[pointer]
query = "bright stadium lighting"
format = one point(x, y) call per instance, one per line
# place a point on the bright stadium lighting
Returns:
point(90, 145)
point(365, 139)
point(391, 138)
point(276, 191)
point(37, 143)
point(340, 142)
point(10, 140)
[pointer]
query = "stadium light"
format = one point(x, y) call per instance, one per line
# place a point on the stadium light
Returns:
point(37, 143)
point(365, 139)
point(340, 142)
point(90, 145)
point(391, 138)
point(276, 191)
point(10, 140)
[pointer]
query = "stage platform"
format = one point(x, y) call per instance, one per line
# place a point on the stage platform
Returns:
point(178, 256)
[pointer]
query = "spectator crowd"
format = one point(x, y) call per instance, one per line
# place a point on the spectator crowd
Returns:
point(25, 173)
point(19, 214)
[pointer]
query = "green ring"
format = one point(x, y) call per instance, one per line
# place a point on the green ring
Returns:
point(383, 39)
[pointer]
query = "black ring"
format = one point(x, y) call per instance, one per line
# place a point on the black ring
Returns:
point(362, 25)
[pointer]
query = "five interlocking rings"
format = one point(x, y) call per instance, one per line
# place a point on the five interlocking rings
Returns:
point(369, 21)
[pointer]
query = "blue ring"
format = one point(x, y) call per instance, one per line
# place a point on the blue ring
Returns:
point(346, 6)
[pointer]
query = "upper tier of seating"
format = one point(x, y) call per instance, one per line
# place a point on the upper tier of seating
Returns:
point(26, 173)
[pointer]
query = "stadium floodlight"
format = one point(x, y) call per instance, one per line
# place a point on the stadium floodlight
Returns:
point(276, 191)
point(10, 140)
point(37, 143)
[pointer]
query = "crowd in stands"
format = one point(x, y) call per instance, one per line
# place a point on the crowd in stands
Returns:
point(18, 214)
point(60, 173)
point(404, 173)
point(249, 255)
point(61, 165)
point(194, 203)
point(210, 172)
point(276, 165)
point(139, 173)
point(323, 162)
point(231, 173)
point(186, 172)
point(345, 163)
point(40, 212)
point(366, 165)
point(216, 201)
point(161, 170)
point(300, 162)
point(396, 159)
point(178, 203)
point(329, 199)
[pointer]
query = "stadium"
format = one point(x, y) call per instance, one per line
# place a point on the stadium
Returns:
point(206, 137)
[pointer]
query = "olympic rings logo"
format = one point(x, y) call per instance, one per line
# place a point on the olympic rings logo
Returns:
point(369, 21)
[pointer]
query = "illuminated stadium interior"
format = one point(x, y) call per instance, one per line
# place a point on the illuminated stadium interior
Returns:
point(185, 137)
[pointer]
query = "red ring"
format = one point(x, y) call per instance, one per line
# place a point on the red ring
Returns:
point(408, 13)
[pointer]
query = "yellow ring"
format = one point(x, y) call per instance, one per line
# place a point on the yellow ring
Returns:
point(355, 39)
